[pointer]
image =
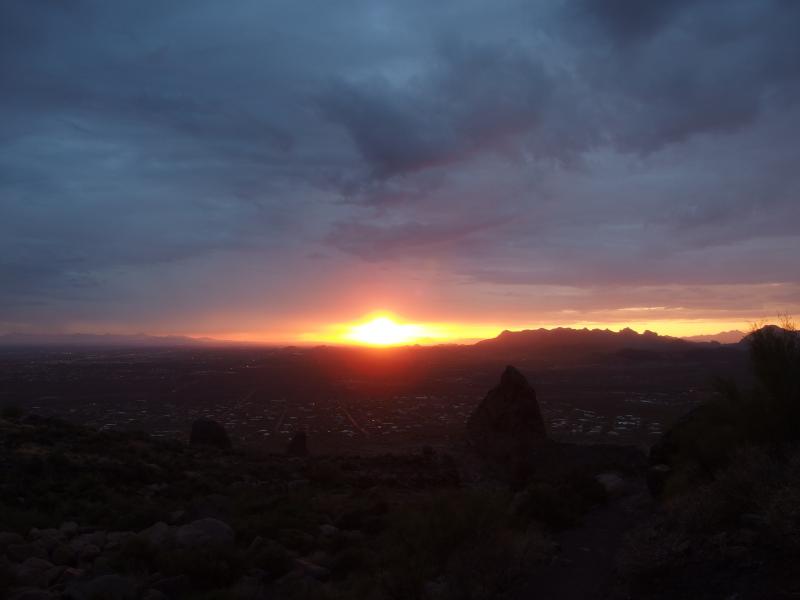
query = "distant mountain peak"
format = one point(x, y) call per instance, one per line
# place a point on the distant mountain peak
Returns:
point(734, 336)
point(102, 339)
point(590, 339)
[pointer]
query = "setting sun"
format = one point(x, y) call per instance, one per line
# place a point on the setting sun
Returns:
point(383, 331)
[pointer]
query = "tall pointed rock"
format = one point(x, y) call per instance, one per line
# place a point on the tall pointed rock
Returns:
point(507, 423)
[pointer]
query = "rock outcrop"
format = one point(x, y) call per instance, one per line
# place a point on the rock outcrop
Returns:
point(206, 432)
point(507, 423)
point(298, 445)
point(204, 532)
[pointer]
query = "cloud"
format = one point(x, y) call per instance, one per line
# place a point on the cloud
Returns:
point(495, 153)
point(443, 117)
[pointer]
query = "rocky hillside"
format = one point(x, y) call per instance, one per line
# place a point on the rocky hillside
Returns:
point(87, 514)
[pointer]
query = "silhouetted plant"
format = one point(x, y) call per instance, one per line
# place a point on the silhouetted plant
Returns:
point(11, 412)
point(775, 356)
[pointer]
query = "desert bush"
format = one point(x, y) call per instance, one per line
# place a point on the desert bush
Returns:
point(326, 472)
point(492, 568)
point(207, 567)
point(449, 536)
point(7, 578)
point(135, 556)
point(11, 412)
point(650, 552)
point(775, 356)
point(705, 441)
point(753, 505)
point(557, 505)
point(271, 557)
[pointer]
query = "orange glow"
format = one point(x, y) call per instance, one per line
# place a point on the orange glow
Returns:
point(384, 331)
point(387, 329)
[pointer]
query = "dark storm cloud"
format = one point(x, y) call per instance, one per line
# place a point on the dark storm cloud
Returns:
point(444, 117)
point(627, 20)
point(573, 143)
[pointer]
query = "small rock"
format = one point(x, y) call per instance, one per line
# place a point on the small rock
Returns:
point(435, 588)
point(297, 485)
point(735, 552)
point(69, 529)
point(53, 575)
point(248, 587)
point(32, 594)
point(753, 520)
point(298, 445)
point(8, 538)
point(156, 534)
point(152, 594)
point(98, 538)
point(89, 552)
point(311, 570)
point(70, 574)
point(327, 530)
point(115, 539)
point(33, 570)
point(177, 516)
point(657, 477)
point(108, 587)
point(205, 531)
point(296, 540)
point(48, 538)
point(207, 432)
point(64, 554)
point(102, 565)
point(613, 484)
point(21, 552)
point(172, 586)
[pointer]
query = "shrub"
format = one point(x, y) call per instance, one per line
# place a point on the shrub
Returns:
point(7, 578)
point(456, 537)
point(11, 412)
point(206, 567)
point(557, 505)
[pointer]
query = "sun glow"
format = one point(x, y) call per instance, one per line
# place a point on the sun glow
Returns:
point(381, 329)
point(384, 331)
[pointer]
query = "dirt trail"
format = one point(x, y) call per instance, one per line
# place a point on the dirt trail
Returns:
point(585, 567)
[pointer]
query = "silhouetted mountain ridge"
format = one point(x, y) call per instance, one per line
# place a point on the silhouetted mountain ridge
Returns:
point(734, 336)
point(593, 340)
point(104, 339)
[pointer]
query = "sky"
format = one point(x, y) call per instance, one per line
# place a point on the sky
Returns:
point(277, 170)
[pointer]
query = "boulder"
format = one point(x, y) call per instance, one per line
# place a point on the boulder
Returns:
point(117, 539)
point(298, 445)
point(32, 594)
point(206, 432)
point(657, 477)
point(297, 485)
point(327, 530)
point(33, 571)
point(306, 568)
point(108, 587)
point(89, 552)
point(69, 529)
point(296, 539)
point(64, 554)
point(173, 587)
point(205, 531)
point(53, 575)
point(20, 552)
point(612, 483)
point(8, 538)
point(507, 423)
point(157, 534)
